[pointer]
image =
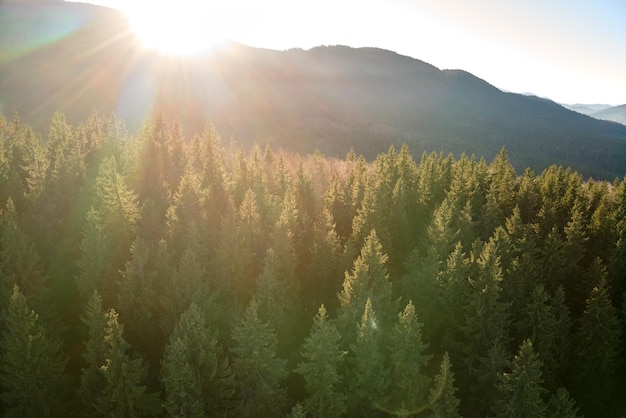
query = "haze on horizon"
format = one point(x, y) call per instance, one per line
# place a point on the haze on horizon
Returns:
point(569, 51)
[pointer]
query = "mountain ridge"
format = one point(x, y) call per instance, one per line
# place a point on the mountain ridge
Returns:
point(330, 98)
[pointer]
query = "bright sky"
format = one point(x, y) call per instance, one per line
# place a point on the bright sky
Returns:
point(571, 51)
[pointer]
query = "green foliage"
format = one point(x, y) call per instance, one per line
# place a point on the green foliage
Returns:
point(195, 375)
point(369, 379)
point(520, 390)
point(599, 337)
point(180, 234)
point(32, 366)
point(125, 393)
point(485, 332)
point(408, 360)
point(20, 263)
point(368, 280)
point(321, 369)
point(92, 381)
point(561, 405)
point(442, 399)
point(113, 381)
point(259, 374)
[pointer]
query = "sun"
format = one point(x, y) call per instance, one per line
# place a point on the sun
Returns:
point(178, 28)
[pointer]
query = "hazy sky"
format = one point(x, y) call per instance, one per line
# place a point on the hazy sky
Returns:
point(572, 51)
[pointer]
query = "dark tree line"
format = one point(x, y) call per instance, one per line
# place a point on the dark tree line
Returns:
point(157, 275)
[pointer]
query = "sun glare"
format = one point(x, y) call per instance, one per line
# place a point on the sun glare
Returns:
point(180, 28)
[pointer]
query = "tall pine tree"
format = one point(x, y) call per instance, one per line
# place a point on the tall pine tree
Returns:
point(520, 390)
point(32, 368)
point(321, 369)
point(195, 375)
point(259, 374)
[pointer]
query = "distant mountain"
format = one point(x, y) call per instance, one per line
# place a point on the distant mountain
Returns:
point(76, 58)
point(615, 114)
point(586, 109)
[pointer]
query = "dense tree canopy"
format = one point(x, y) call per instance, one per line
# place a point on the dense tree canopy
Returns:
point(157, 274)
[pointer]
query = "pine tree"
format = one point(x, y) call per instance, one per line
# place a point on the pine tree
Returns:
point(442, 400)
point(597, 347)
point(540, 326)
point(125, 393)
point(408, 358)
point(520, 391)
point(187, 219)
point(276, 301)
point(376, 205)
point(485, 332)
point(446, 311)
point(92, 381)
point(241, 234)
point(259, 374)
point(96, 270)
point(187, 284)
point(327, 264)
point(20, 263)
point(137, 301)
point(501, 194)
point(118, 209)
point(195, 377)
point(32, 368)
point(321, 369)
point(561, 405)
point(368, 280)
point(369, 379)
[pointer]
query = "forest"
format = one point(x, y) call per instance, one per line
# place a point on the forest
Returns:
point(155, 274)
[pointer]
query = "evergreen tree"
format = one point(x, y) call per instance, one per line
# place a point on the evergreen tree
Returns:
point(125, 393)
point(485, 332)
point(187, 219)
point(118, 209)
point(276, 302)
point(32, 367)
point(16, 140)
point(562, 338)
point(321, 369)
point(597, 347)
point(408, 358)
point(520, 391)
point(376, 205)
point(259, 374)
point(561, 405)
point(339, 207)
point(500, 197)
point(241, 233)
point(540, 326)
point(368, 280)
point(442, 399)
point(19, 261)
point(187, 284)
point(96, 271)
point(446, 313)
point(369, 379)
point(137, 301)
point(323, 275)
point(92, 381)
point(195, 376)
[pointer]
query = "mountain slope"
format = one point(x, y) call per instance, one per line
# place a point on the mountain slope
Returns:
point(586, 109)
point(615, 114)
point(75, 58)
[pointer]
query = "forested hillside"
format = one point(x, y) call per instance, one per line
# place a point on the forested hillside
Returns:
point(331, 98)
point(155, 274)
